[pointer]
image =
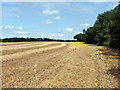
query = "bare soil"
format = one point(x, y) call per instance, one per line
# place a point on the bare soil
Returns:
point(59, 65)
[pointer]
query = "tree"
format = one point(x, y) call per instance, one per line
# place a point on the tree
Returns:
point(105, 31)
point(80, 37)
point(114, 27)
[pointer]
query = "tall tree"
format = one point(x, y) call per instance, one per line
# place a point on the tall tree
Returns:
point(114, 28)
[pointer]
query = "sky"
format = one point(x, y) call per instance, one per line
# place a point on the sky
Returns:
point(57, 20)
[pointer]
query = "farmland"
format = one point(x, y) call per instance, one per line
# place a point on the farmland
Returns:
point(58, 65)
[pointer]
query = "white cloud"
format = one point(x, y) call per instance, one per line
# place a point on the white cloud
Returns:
point(50, 12)
point(19, 28)
point(48, 22)
point(77, 33)
point(52, 35)
point(8, 27)
point(69, 29)
point(86, 25)
point(59, 34)
point(58, 17)
point(11, 27)
point(20, 32)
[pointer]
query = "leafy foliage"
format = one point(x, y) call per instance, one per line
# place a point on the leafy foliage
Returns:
point(15, 39)
point(114, 28)
point(105, 31)
point(80, 37)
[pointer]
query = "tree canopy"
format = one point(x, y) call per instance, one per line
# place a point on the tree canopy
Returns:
point(105, 31)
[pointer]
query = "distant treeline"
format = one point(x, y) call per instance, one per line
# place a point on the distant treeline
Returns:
point(105, 31)
point(15, 39)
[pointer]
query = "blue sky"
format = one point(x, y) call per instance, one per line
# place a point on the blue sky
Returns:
point(51, 20)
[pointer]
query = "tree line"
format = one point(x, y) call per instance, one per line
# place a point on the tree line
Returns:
point(15, 39)
point(105, 31)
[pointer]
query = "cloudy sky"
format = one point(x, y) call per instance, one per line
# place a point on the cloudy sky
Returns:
point(52, 20)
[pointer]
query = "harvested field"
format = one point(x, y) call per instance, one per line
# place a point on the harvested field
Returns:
point(58, 65)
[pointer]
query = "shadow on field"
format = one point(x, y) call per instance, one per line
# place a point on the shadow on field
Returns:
point(116, 73)
point(112, 54)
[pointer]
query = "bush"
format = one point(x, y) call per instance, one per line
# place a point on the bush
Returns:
point(106, 43)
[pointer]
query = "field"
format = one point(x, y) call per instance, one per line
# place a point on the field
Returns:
point(58, 65)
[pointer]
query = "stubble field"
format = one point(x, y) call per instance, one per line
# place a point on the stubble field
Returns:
point(58, 65)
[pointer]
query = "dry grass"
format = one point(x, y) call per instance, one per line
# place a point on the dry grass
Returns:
point(58, 65)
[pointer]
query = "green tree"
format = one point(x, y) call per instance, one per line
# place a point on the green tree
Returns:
point(114, 28)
